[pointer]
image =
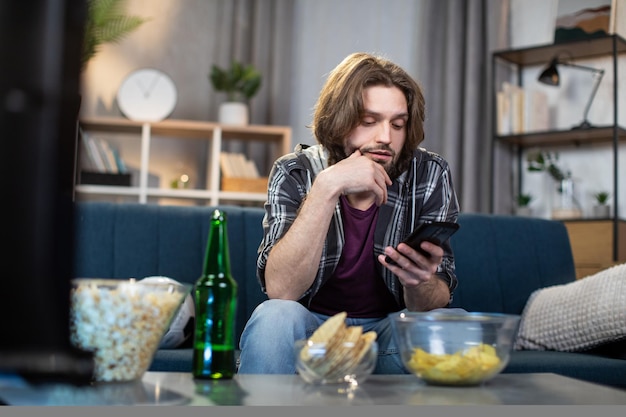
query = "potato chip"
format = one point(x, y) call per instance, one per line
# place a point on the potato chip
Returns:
point(465, 367)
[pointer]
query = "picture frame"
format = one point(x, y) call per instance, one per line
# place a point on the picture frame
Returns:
point(574, 22)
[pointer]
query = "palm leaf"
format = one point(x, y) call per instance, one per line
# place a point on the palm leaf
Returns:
point(106, 23)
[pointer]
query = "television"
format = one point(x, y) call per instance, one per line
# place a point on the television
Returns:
point(40, 46)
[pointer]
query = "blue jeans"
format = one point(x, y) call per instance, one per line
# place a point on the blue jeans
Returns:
point(267, 341)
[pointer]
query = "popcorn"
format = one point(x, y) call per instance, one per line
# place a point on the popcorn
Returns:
point(122, 322)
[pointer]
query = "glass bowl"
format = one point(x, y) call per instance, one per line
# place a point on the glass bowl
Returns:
point(340, 363)
point(452, 348)
point(122, 322)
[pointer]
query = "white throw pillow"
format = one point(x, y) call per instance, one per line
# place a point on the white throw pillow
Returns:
point(577, 316)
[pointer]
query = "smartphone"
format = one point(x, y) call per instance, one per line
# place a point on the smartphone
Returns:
point(436, 232)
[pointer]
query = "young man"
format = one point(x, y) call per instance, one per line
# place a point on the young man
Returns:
point(334, 210)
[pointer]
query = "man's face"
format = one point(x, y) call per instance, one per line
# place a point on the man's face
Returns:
point(381, 132)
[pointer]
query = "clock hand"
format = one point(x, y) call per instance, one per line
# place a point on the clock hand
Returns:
point(152, 85)
point(148, 91)
point(143, 90)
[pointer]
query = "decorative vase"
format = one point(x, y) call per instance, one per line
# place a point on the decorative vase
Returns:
point(233, 113)
point(565, 205)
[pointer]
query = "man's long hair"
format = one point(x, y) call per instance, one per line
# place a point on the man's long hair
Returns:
point(339, 107)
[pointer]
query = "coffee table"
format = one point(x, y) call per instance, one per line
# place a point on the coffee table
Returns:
point(173, 388)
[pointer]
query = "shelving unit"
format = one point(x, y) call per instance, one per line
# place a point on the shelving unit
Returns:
point(277, 136)
point(596, 243)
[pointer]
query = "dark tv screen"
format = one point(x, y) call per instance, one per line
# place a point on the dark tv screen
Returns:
point(40, 46)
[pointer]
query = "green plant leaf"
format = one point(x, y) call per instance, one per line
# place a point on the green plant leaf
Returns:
point(545, 161)
point(524, 200)
point(238, 81)
point(602, 197)
point(106, 23)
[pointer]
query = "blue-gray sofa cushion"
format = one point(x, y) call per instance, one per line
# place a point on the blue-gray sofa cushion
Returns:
point(139, 240)
point(501, 260)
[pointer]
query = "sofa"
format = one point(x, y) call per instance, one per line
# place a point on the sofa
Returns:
point(502, 262)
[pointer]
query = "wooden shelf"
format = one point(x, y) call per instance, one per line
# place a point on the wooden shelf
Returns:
point(599, 134)
point(194, 129)
point(578, 49)
point(215, 133)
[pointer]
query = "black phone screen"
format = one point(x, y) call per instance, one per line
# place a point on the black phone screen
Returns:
point(436, 232)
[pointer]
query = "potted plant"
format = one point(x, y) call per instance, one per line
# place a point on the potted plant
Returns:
point(523, 204)
point(602, 208)
point(240, 83)
point(545, 161)
point(565, 204)
point(106, 23)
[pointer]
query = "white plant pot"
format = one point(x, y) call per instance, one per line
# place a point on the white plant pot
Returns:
point(233, 113)
point(602, 211)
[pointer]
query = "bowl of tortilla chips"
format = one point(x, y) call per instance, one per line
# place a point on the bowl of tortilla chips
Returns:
point(336, 353)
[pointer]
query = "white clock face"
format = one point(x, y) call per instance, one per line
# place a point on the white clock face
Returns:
point(147, 95)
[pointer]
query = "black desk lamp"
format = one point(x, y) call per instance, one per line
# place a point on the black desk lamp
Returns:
point(550, 76)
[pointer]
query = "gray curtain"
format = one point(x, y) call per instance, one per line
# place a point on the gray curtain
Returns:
point(457, 38)
point(258, 32)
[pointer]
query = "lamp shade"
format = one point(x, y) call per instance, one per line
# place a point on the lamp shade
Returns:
point(550, 75)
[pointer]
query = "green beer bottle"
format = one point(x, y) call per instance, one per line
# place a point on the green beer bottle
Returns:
point(216, 306)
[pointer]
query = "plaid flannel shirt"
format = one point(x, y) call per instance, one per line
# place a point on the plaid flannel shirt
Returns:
point(423, 193)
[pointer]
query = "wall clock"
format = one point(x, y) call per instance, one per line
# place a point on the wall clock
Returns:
point(147, 95)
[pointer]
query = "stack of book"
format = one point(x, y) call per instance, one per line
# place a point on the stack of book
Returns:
point(101, 163)
point(240, 174)
point(521, 110)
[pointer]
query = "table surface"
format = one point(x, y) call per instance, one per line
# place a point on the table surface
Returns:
point(173, 388)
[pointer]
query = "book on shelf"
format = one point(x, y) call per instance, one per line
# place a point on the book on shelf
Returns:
point(107, 155)
point(503, 113)
point(121, 165)
point(520, 110)
point(236, 165)
point(536, 111)
point(93, 153)
point(241, 174)
point(85, 160)
point(99, 155)
point(228, 170)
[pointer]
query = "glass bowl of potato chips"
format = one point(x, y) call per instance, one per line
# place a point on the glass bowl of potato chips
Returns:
point(336, 353)
point(454, 348)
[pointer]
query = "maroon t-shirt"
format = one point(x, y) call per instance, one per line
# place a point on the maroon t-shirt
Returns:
point(355, 287)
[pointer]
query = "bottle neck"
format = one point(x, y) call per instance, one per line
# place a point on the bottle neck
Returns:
point(217, 258)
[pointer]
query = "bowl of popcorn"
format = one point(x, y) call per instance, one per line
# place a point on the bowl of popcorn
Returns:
point(336, 353)
point(122, 322)
point(454, 348)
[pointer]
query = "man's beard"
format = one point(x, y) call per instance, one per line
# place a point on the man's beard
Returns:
point(391, 167)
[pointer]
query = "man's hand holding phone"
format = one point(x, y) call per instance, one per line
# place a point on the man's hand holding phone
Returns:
point(436, 233)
